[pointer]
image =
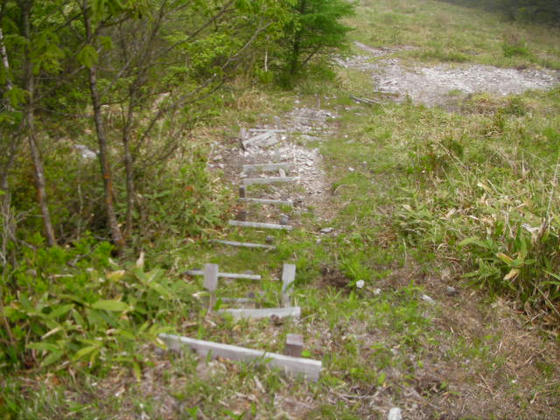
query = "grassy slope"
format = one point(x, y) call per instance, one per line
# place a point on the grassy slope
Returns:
point(413, 194)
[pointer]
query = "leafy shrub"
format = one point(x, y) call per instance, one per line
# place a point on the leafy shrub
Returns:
point(76, 306)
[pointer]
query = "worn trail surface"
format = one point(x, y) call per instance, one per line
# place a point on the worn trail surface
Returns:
point(441, 84)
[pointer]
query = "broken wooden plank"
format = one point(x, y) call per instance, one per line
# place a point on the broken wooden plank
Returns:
point(261, 130)
point(225, 275)
point(268, 201)
point(364, 100)
point(243, 244)
point(267, 167)
point(258, 139)
point(288, 278)
point(309, 368)
point(269, 180)
point(269, 141)
point(293, 311)
point(259, 225)
point(294, 345)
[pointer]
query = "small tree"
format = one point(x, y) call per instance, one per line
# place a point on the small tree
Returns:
point(315, 28)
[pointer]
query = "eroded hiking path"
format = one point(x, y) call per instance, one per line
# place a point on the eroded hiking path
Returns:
point(408, 339)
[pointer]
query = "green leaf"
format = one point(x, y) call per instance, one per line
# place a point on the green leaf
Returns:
point(88, 56)
point(42, 346)
point(111, 305)
point(83, 352)
point(52, 358)
point(61, 310)
point(473, 241)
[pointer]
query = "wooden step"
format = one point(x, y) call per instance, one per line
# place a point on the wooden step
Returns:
point(267, 201)
point(225, 275)
point(269, 180)
point(267, 167)
point(259, 225)
point(293, 311)
point(309, 368)
point(243, 244)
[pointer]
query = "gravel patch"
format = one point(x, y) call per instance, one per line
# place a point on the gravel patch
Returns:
point(438, 85)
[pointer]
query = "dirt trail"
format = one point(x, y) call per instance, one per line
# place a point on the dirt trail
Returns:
point(443, 83)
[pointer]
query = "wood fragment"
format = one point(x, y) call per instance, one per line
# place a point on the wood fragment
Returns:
point(244, 244)
point(364, 100)
point(269, 180)
point(259, 225)
point(267, 167)
point(293, 311)
point(309, 368)
point(261, 130)
point(211, 283)
point(288, 278)
point(225, 275)
point(294, 345)
point(259, 138)
point(268, 201)
point(210, 277)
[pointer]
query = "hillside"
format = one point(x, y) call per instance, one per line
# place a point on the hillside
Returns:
point(421, 190)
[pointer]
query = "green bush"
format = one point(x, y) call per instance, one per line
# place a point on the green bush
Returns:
point(76, 306)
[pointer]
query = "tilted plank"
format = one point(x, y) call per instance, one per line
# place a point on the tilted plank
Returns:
point(225, 275)
point(268, 201)
point(294, 311)
point(259, 225)
point(288, 278)
point(267, 167)
point(269, 141)
point(258, 138)
point(243, 244)
point(269, 180)
point(260, 130)
point(309, 368)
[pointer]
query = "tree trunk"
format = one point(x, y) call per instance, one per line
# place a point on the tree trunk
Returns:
point(116, 233)
point(296, 44)
point(129, 168)
point(39, 171)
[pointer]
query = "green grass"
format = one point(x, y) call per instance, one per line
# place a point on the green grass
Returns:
point(443, 32)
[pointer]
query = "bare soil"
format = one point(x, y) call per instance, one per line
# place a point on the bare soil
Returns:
point(443, 84)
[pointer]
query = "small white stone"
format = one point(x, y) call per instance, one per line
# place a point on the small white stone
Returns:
point(395, 413)
point(376, 292)
point(360, 284)
point(428, 299)
point(351, 169)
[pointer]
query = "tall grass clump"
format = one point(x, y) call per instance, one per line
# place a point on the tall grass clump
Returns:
point(486, 197)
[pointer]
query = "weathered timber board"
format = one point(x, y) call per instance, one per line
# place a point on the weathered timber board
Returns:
point(259, 225)
point(267, 167)
point(288, 278)
point(268, 201)
point(294, 311)
point(243, 244)
point(225, 275)
point(269, 180)
point(309, 368)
